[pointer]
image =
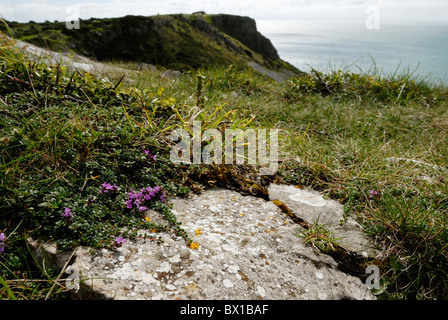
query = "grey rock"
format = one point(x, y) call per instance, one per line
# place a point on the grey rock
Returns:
point(311, 207)
point(146, 67)
point(47, 253)
point(171, 74)
point(247, 250)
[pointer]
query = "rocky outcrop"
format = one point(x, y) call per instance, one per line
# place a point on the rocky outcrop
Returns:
point(200, 23)
point(246, 248)
point(245, 30)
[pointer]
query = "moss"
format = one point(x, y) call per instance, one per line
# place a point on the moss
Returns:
point(288, 212)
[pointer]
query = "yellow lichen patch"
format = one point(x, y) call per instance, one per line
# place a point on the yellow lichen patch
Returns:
point(194, 245)
point(147, 220)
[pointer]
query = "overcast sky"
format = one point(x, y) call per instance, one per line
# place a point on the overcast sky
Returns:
point(63, 10)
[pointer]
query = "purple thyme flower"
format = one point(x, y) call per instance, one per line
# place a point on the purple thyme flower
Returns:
point(138, 199)
point(150, 156)
point(142, 208)
point(107, 187)
point(373, 193)
point(2, 245)
point(118, 242)
point(67, 214)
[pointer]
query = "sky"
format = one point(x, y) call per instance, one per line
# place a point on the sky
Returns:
point(65, 10)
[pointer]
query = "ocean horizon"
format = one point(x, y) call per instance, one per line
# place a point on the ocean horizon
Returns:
point(419, 49)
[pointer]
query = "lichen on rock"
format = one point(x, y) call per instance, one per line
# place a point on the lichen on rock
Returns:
point(246, 250)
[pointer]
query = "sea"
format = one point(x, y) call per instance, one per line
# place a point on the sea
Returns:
point(390, 49)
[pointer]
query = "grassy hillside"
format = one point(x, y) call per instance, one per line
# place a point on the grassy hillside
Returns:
point(75, 150)
point(172, 41)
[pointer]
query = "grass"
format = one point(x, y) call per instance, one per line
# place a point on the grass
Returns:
point(63, 134)
point(319, 237)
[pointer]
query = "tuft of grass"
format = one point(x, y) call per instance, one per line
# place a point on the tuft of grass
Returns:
point(319, 237)
point(339, 85)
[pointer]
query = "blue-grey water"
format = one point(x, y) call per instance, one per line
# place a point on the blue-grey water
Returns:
point(420, 49)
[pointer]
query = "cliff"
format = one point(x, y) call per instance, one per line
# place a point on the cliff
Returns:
point(245, 30)
point(175, 41)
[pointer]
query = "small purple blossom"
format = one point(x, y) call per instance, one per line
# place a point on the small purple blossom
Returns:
point(108, 188)
point(150, 156)
point(118, 242)
point(373, 194)
point(138, 199)
point(67, 214)
point(2, 245)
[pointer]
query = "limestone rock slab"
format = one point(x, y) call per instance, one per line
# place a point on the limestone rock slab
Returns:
point(247, 250)
point(312, 207)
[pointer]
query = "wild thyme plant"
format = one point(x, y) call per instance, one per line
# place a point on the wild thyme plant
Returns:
point(70, 154)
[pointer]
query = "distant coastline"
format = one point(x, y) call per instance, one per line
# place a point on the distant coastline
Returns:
point(328, 45)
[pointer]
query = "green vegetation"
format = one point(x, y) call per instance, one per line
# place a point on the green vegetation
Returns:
point(70, 140)
point(319, 237)
point(175, 41)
